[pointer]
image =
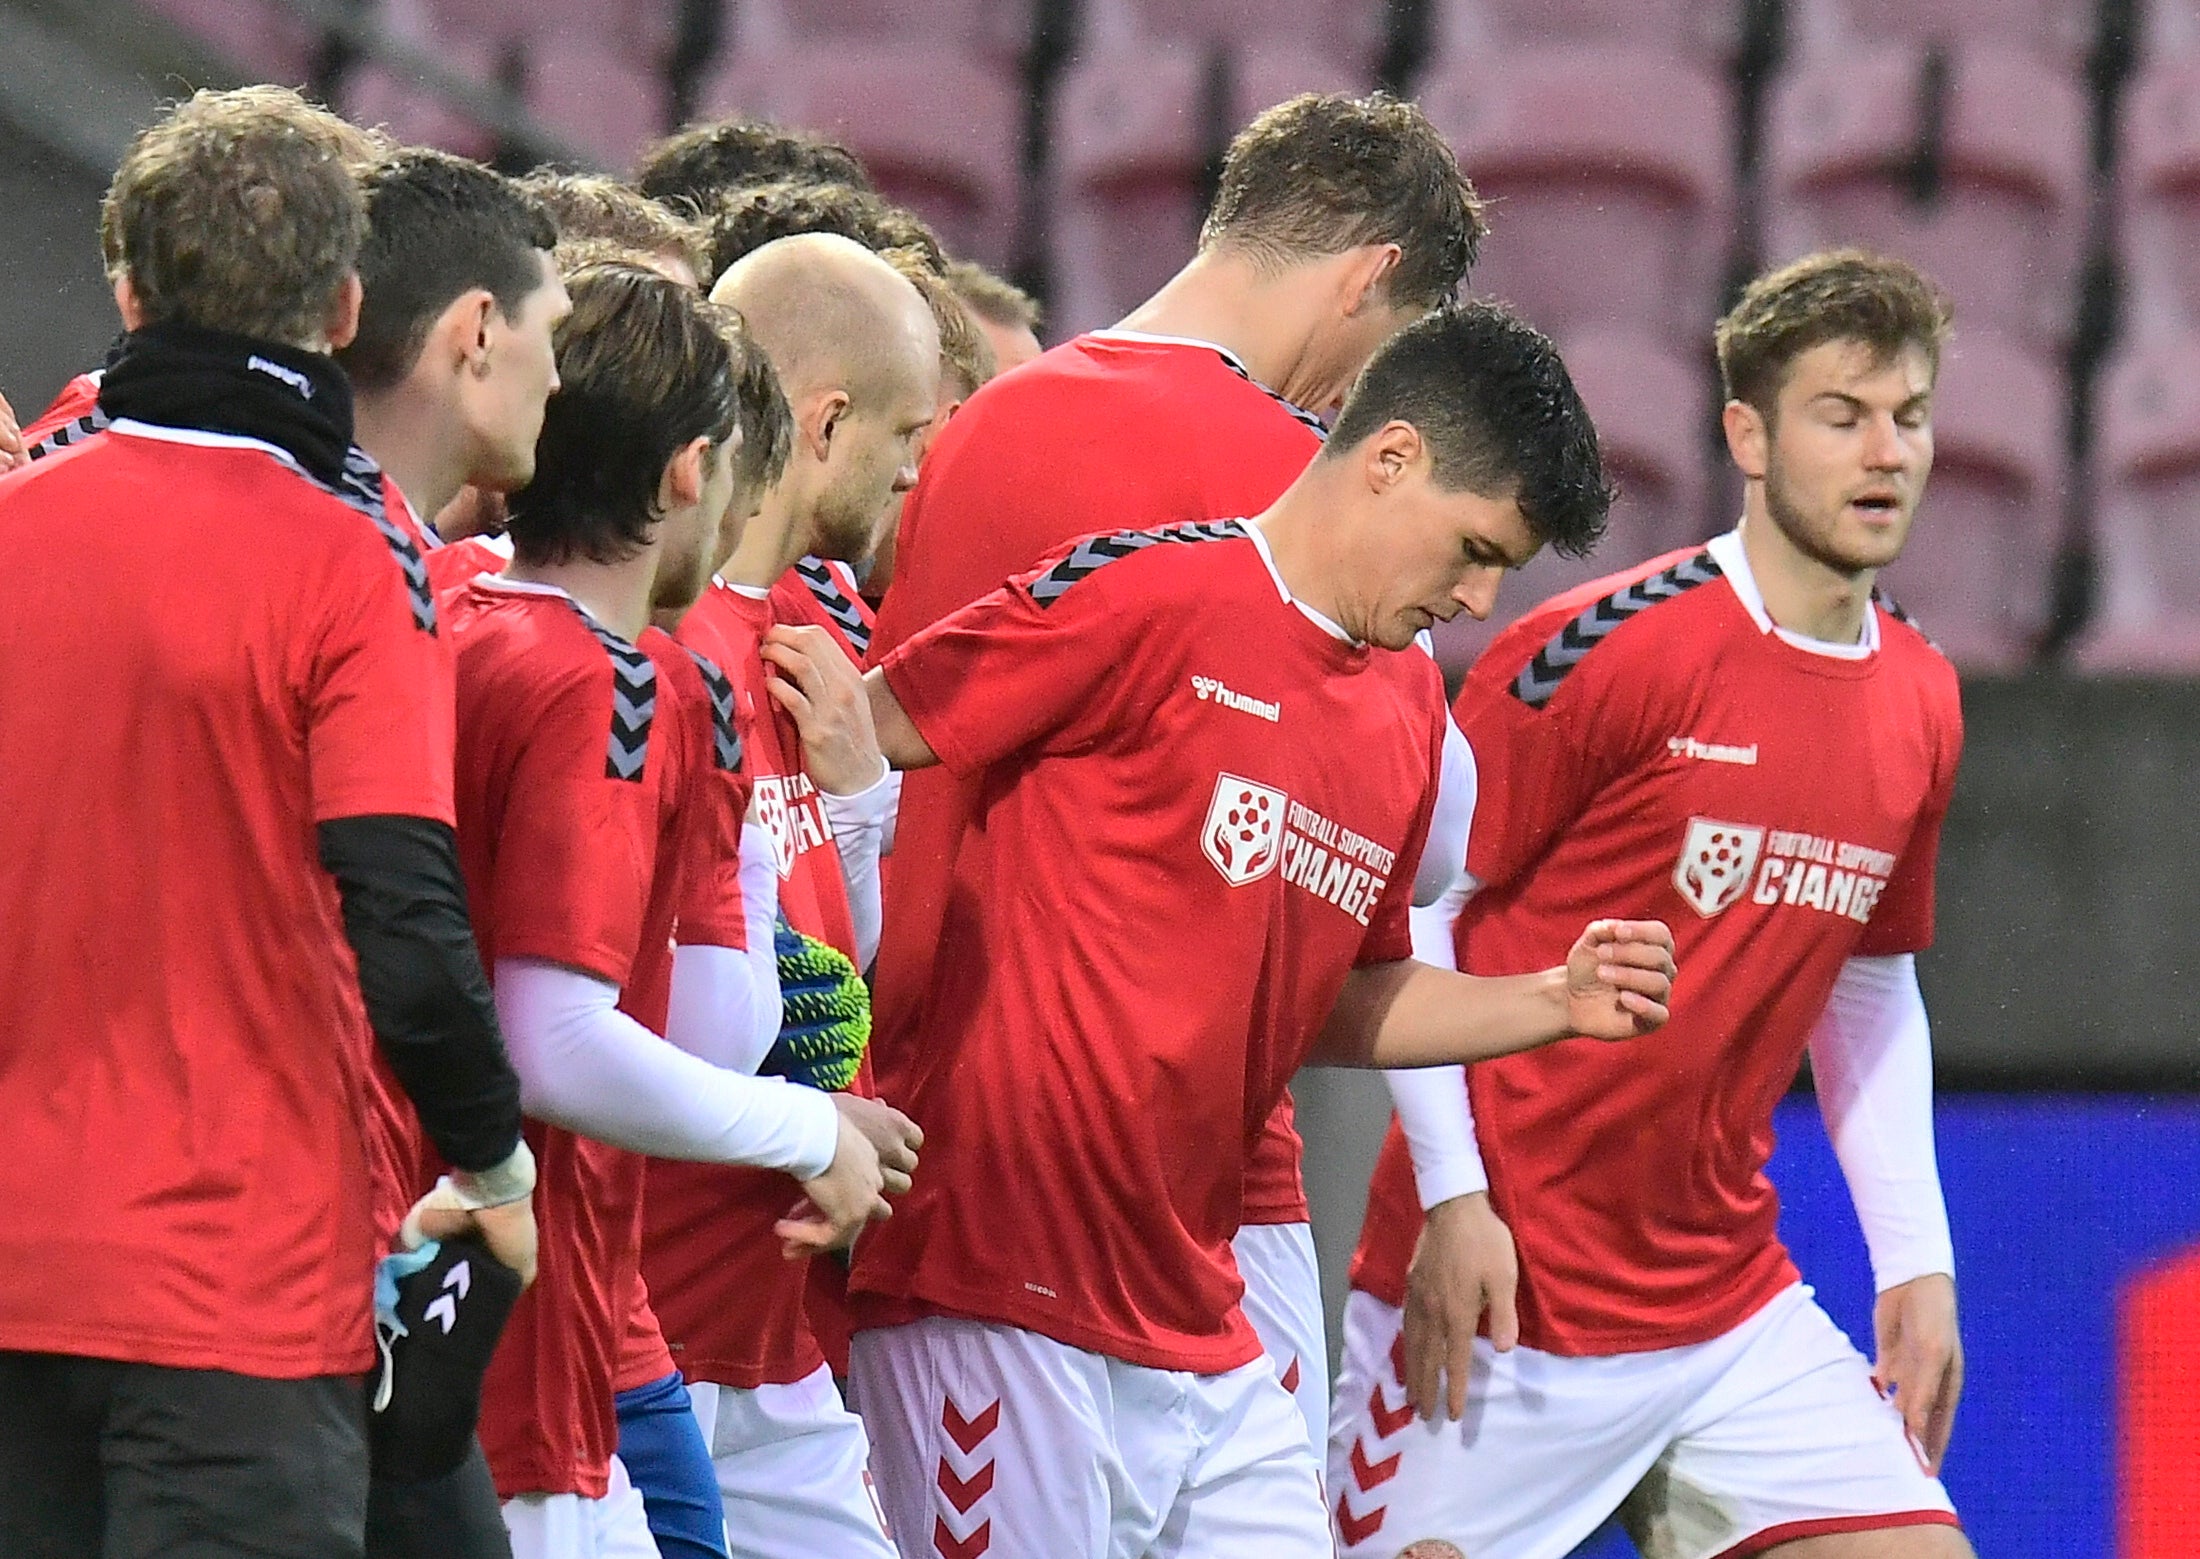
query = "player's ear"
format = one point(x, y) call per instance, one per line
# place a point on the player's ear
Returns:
point(127, 304)
point(1748, 439)
point(1392, 451)
point(463, 330)
point(821, 419)
point(1366, 273)
point(686, 474)
point(342, 324)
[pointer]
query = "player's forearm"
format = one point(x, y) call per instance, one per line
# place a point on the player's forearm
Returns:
point(1408, 1014)
point(1434, 1111)
point(588, 1067)
point(1444, 856)
point(725, 1003)
point(1872, 1062)
point(859, 824)
point(404, 906)
point(898, 736)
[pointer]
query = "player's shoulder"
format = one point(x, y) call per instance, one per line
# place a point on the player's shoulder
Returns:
point(1908, 646)
point(701, 690)
point(1591, 627)
point(1193, 559)
point(534, 657)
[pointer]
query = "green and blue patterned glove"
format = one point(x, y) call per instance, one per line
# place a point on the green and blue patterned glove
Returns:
point(826, 1022)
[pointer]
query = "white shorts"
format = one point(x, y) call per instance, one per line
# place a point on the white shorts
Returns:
point(1768, 1434)
point(1283, 1300)
point(568, 1526)
point(794, 1470)
point(993, 1440)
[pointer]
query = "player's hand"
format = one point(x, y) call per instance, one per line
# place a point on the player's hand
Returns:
point(1618, 979)
point(12, 452)
point(837, 1204)
point(892, 1135)
point(508, 1231)
point(823, 690)
point(1463, 1264)
point(1921, 1359)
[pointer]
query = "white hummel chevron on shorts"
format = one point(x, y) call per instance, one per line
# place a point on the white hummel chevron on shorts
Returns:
point(1768, 1434)
point(794, 1470)
point(998, 1442)
point(1283, 1300)
point(568, 1526)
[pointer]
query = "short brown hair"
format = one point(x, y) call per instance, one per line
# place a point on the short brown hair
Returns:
point(692, 169)
point(767, 422)
point(993, 298)
point(1324, 173)
point(966, 356)
point(1835, 295)
point(591, 209)
point(240, 211)
point(644, 366)
point(748, 219)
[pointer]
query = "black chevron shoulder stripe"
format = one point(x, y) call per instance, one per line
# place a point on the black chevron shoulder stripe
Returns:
point(633, 702)
point(838, 607)
point(74, 431)
point(1297, 412)
point(1539, 679)
point(1097, 552)
point(360, 488)
point(1893, 608)
point(725, 738)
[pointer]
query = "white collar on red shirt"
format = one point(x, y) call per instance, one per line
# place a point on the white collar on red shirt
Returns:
point(1236, 363)
point(1268, 561)
point(753, 592)
point(1733, 559)
point(201, 437)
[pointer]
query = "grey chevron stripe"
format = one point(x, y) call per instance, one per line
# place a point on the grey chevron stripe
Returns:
point(1097, 552)
point(838, 607)
point(1298, 412)
point(725, 737)
point(633, 701)
point(1893, 608)
point(73, 431)
point(359, 487)
point(1540, 678)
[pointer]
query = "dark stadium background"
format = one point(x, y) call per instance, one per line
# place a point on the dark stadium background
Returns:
point(2041, 156)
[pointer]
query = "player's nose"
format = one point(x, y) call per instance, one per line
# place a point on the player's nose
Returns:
point(1478, 592)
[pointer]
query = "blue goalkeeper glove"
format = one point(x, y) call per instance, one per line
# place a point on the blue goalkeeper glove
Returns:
point(826, 1019)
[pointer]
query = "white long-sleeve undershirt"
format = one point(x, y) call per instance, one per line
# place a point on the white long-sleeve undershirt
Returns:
point(1871, 1056)
point(588, 1067)
point(726, 1001)
point(861, 823)
point(1434, 1111)
point(1444, 858)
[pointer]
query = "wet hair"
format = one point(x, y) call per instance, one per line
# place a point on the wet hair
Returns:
point(438, 226)
point(1494, 405)
point(645, 366)
point(1836, 295)
point(1323, 173)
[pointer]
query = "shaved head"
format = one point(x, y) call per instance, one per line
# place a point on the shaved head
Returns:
point(830, 313)
point(858, 353)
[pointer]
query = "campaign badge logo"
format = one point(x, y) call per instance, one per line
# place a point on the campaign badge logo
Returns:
point(1716, 860)
point(1244, 831)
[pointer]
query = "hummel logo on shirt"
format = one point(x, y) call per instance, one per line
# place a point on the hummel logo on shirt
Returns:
point(1710, 752)
point(1211, 688)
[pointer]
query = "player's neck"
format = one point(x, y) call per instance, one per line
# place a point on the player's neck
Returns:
point(410, 445)
point(1802, 594)
point(1302, 544)
point(1256, 317)
point(615, 594)
point(772, 542)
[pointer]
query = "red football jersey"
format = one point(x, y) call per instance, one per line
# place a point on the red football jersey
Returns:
point(822, 592)
point(1109, 430)
point(202, 655)
point(73, 417)
point(575, 751)
point(1203, 809)
point(731, 1306)
point(1650, 747)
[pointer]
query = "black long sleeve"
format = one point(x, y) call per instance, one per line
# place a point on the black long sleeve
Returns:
point(426, 996)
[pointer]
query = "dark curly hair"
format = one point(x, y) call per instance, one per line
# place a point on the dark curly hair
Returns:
point(748, 219)
point(691, 169)
point(644, 366)
point(1492, 400)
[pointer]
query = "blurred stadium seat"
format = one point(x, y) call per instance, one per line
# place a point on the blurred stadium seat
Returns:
point(1466, 29)
point(1609, 173)
point(2060, 30)
point(940, 127)
point(1002, 28)
point(376, 94)
point(596, 96)
point(1133, 132)
point(2160, 194)
point(1977, 571)
point(1650, 404)
point(2146, 525)
point(1348, 31)
point(1971, 164)
point(266, 39)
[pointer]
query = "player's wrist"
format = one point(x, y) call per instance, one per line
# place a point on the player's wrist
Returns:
point(513, 1180)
